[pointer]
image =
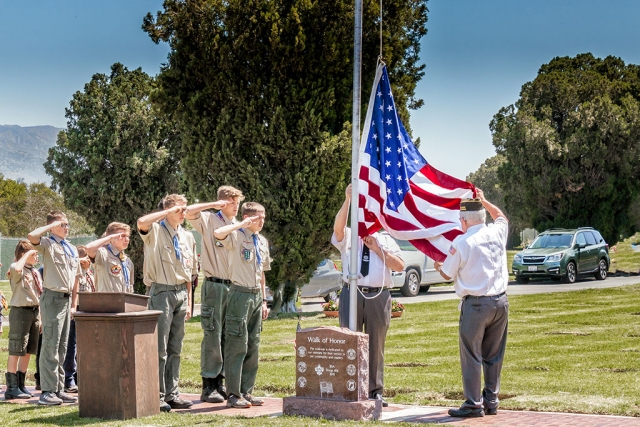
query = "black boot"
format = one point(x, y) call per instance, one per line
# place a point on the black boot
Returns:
point(209, 392)
point(21, 378)
point(36, 376)
point(219, 385)
point(13, 392)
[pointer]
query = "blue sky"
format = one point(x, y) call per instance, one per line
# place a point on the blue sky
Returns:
point(478, 55)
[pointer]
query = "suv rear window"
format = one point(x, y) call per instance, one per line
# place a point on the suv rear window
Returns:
point(590, 239)
point(552, 241)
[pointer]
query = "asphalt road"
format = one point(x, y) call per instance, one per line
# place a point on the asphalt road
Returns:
point(440, 293)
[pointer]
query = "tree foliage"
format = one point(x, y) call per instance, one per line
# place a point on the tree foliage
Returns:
point(571, 142)
point(261, 91)
point(118, 156)
point(25, 208)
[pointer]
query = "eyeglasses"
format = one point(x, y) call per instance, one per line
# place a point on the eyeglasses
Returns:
point(65, 225)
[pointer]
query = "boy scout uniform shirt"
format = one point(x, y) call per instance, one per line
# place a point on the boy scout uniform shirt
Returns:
point(379, 273)
point(24, 287)
point(60, 268)
point(161, 263)
point(215, 262)
point(477, 260)
point(83, 282)
point(245, 270)
point(109, 271)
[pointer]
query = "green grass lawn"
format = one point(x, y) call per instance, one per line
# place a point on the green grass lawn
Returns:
point(571, 352)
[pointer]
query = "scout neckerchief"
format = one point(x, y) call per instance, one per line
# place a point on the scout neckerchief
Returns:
point(36, 279)
point(121, 257)
point(89, 279)
point(256, 244)
point(176, 245)
point(68, 250)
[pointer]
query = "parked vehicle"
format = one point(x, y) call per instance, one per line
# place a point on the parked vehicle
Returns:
point(325, 282)
point(418, 273)
point(563, 254)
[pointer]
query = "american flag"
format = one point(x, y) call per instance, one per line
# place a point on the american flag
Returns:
point(398, 190)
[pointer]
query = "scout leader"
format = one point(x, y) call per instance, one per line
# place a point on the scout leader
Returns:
point(170, 264)
point(215, 289)
point(59, 299)
point(114, 269)
point(246, 306)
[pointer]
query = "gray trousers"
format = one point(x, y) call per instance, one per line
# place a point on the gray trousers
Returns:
point(214, 297)
point(172, 302)
point(483, 339)
point(373, 318)
point(55, 310)
point(242, 341)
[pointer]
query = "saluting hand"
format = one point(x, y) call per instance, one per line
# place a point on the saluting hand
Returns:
point(219, 204)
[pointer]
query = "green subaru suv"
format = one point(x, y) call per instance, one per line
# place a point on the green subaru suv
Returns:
point(562, 254)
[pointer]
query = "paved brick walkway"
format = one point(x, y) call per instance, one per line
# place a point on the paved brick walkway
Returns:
point(415, 414)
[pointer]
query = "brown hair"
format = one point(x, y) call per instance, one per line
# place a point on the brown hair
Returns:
point(55, 216)
point(117, 227)
point(229, 192)
point(82, 251)
point(252, 208)
point(22, 248)
point(173, 199)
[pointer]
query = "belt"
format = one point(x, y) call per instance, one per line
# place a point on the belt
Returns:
point(58, 293)
point(30, 308)
point(486, 296)
point(218, 280)
point(365, 289)
point(245, 289)
point(163, 288)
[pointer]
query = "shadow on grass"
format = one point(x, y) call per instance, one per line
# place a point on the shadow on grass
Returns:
point(71, 418)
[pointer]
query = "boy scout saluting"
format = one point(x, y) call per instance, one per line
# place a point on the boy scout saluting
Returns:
point(246, 306)
point(114, 270)
point(170, 262)
point(62, 270)
point(215, 289)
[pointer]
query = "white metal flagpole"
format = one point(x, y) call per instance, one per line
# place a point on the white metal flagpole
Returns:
point(355, 149)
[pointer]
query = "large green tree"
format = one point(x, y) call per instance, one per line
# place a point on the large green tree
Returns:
point(261, 91)
point(118, 156)
point(572, 145)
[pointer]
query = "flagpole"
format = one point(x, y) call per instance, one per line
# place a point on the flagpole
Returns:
point(355, 150)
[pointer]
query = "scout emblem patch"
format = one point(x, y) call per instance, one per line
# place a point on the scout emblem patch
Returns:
point(246, 254)
point(115, 269)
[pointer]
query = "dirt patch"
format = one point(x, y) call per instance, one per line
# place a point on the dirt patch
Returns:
point(407, 365)
point(578, 334)
point(536, 368)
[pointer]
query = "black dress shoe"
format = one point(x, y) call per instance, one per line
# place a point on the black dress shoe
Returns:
point(178, 403)
point(466, 412)
point(491, 411)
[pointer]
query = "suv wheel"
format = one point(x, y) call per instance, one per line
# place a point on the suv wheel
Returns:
point(522, 280)
point(601, 274)
point(571, 274)
point(411, 283)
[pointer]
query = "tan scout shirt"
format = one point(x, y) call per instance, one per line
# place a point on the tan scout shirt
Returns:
point(60, 268)
point(161, 263)
point(215, 260)
point(24, 287)
point(245, 270)
point(109, 271)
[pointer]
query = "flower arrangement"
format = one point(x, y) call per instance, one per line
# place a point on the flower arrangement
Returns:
point(396, 306)
point(330, 306)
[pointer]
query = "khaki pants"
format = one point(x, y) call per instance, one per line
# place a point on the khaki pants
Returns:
point(242, 340)
point(55, 309)
point(172, 302)
point(212, 318)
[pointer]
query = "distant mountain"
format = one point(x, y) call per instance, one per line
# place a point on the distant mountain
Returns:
point(23, 150)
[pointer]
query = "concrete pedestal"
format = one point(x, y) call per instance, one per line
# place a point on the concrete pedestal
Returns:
point(118, 364)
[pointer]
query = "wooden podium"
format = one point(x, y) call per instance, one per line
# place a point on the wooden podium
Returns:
point(117, 342)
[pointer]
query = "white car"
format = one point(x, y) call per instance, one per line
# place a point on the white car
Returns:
point(418, 271)
point(325, 282)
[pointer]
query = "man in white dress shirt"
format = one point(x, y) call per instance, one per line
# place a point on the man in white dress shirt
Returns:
point(477, 261)
point(378, 254)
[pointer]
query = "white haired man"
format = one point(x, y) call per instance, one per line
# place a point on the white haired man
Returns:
point(477, 261)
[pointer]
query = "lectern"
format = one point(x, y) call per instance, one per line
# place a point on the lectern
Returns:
point(117, 339)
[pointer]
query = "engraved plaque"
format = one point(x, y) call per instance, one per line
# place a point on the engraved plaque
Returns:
point(332, 363)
